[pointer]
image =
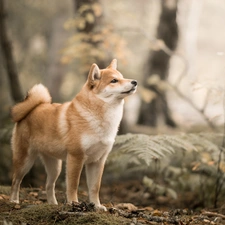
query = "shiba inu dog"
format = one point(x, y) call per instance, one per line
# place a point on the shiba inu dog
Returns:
point(82, 132)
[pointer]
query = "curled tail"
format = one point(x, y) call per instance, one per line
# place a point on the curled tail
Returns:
point(36, 95)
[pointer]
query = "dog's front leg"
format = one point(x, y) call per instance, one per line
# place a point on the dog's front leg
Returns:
point(94, 173)
point(74, 168)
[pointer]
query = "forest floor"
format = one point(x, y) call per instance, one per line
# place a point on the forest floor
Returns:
point(127, 204)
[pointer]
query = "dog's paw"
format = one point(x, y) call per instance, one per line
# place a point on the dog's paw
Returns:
point(14, 201)
point(100, 208)
point(52, 201)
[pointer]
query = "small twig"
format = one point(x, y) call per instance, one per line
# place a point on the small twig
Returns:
point(219, 180)
point(223, 143)
point(213, 214)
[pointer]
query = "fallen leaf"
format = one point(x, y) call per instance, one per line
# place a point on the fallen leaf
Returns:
point(128, 206)
point(4, 197)
point(157, 213)
point(17, 207)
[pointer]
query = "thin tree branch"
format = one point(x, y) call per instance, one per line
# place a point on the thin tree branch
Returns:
point(213, 214)
point(219, 178)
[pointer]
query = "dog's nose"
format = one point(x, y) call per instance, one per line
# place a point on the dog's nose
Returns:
point(134, 82)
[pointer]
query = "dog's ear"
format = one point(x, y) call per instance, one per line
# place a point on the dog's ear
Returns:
point(113, 64)
point(94, 74)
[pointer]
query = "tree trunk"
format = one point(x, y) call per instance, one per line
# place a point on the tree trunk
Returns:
point(15, 87)
point(158, 64)
point(56, 70)
point(91, 23)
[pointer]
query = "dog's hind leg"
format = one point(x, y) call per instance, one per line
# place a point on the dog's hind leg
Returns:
point(53, 168)
point(22, 163)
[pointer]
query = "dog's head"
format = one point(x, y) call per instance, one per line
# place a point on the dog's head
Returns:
point(109, 84)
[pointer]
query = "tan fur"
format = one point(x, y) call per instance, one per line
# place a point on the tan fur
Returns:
point(37, 95)
point(81, 132)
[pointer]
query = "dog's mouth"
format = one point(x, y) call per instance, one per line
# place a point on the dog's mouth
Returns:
point(128, 92)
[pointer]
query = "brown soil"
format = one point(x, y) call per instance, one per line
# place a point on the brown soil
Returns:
point(127, 203)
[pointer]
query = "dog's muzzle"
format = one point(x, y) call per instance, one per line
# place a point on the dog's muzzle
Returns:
point(134, 83)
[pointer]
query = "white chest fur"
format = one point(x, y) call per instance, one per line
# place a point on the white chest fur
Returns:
point(98, 140)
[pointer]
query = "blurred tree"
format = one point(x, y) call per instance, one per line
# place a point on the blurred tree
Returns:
point(55, 69)
point(89, 14)
point(15, 87)
point(158, 65)
point(88, 18)
point(89, 43)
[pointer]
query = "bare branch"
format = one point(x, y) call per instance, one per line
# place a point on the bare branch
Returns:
point(213, 214)
point(220, 178)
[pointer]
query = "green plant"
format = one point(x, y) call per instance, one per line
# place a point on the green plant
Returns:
point(141, 148)
point(187, 162)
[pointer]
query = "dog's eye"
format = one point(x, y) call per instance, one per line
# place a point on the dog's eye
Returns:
point(114, 81)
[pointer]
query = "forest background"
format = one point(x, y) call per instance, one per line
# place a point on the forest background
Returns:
point(174, 49)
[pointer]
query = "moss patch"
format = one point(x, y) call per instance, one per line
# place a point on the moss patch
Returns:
point(45, 214)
